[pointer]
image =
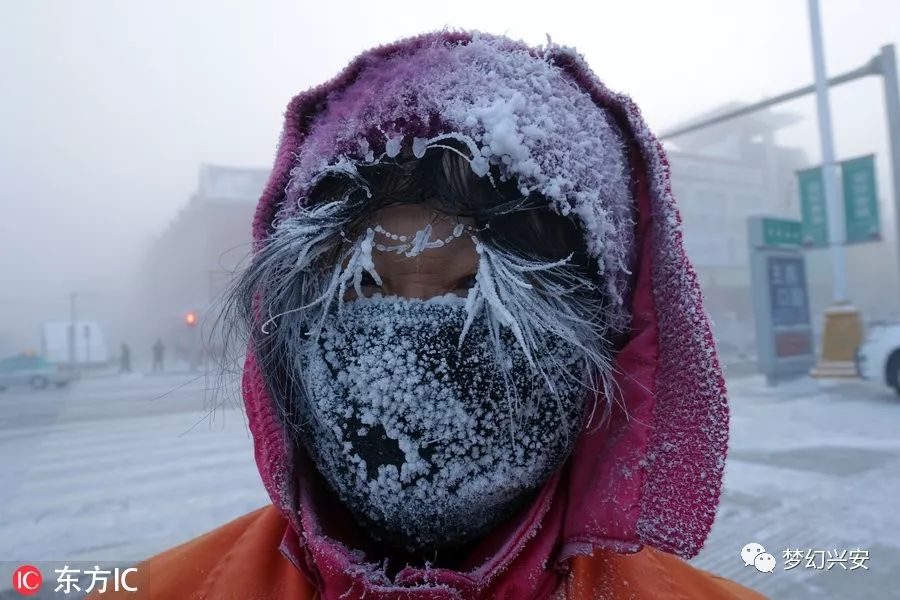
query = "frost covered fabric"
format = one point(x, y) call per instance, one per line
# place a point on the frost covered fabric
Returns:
point(651, 474)
point(423, 438)
point(511, 110)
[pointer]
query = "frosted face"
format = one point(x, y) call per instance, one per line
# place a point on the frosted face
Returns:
point(443, 379)
point(448, 269)
point(426, 441)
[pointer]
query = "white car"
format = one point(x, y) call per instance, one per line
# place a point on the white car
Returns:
point(878, 357)
point(32, 370)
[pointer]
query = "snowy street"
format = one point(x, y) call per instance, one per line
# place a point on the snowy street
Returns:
point(813, 466)
point(117, 469)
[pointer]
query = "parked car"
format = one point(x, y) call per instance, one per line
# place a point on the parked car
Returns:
point(878, 357)
point(32, 370)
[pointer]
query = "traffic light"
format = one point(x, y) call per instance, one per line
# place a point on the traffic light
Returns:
point(190, 319)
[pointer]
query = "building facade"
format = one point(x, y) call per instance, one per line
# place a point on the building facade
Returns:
point(190, 265)
point(721, 175)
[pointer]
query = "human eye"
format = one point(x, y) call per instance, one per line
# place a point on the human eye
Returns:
point(466, 283)
point(368, 280)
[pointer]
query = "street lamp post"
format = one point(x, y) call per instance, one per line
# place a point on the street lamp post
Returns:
point(887, 63)
point(843, 315)
point(843, 327)
point(829, 169)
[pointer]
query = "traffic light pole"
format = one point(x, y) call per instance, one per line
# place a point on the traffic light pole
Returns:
point(829, 169)
point(873, 67)
point(884, 64)
point(843, 329)
point(842, 333)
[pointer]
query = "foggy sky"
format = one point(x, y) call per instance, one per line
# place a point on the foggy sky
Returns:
point(108, 107)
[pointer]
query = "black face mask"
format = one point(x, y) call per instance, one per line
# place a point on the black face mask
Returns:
point(428, 441)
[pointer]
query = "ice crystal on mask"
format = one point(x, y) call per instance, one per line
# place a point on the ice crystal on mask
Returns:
point(423, 438)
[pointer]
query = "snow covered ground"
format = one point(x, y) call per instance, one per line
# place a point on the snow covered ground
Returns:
point(813, 466)
point(113, 470)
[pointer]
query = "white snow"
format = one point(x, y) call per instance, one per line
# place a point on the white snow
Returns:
point(118, 469)
point(812, 465)
point(512, 110)
point(115, 470)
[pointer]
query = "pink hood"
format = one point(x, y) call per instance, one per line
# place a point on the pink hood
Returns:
point(652, 474)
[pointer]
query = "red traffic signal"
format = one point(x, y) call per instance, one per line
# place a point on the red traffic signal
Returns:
point(190, 319)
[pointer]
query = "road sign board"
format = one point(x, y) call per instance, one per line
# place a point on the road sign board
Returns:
point(781, 232)
point(786, 280)
point(860, 199)
point(784, 335)
point(812, 207)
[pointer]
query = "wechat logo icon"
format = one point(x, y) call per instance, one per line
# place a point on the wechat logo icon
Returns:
point(754, 555)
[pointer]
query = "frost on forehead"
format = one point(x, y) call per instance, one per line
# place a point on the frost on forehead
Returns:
point(422, 439)
point(514, 110)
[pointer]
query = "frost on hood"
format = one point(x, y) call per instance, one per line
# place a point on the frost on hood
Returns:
point(651, 480)
point(517, 114)
point(421, 435)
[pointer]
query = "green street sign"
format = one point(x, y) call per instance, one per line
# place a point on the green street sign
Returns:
point(812, 207)
point(860, 199)
point(781, 232)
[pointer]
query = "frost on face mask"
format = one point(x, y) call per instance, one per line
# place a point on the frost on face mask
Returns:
point(428, 436)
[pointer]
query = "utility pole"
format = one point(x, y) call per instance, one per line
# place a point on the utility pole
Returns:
point(73, 358)
point(843, 327)
point(887, 61)
point(884, 64)
point(829, 170)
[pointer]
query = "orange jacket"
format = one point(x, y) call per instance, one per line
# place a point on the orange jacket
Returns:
point(241, 561)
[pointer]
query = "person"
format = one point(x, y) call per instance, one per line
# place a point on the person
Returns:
point(125, 359)
point(478, 364)
point(159, 350)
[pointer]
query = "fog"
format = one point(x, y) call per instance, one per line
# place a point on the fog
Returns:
point(109, 108)
point(135, 137)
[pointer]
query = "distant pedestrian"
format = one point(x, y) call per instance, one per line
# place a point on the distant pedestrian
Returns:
point(158, 353)
point(125, 359)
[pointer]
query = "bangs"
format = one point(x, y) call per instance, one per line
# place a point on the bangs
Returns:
point(444, 181)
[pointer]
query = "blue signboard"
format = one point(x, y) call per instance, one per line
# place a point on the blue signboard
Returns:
point(784, 336)
point(787, 291)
